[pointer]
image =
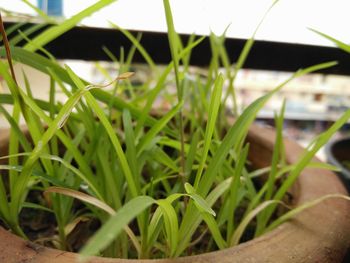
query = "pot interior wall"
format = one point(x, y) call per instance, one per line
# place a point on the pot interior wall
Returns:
point(341, 150)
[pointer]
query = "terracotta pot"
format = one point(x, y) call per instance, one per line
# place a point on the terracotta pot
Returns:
point(319, 234)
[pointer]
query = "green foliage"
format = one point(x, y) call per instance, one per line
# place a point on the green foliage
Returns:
point(163, 179)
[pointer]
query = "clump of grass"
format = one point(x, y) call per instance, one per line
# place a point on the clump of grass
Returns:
point(163, 181)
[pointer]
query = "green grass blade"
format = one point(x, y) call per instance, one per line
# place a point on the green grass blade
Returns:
point(81, 196)
point(64, 138)
point(39, 148)
point(239, 129)
point(160, 85)
point(37, 207)
point(43, 64)
point(305, 160)
point(114, 225)
point(162, 157)
point(173, 43)
point(155, 227)
point(97, 203)
point(244, 54)
point(76, 171)
point(130, 141)
point(155, 224)
point(213, 110)
point(110, 131)
point(16, 136)
point(55, 31)
point(4, 204)
point(39, 48)
point(110, 54)
point(302, 207)
point(213, 196)
point(232, 140)
point(19, 37)
point(171, 224)
point(11, 29)
point(36, 173)
point(191, 155)
point(156, 128)
point(339, 44)
point(234, 189)
point(244, 223)
point(108, 179)
point(214, 229)
point(276, 160)
point(138, 46)
point(14, 89)
point(201, 204)
point(176, 46)
point(16, 129)
point(308, 155)
point(276, 152)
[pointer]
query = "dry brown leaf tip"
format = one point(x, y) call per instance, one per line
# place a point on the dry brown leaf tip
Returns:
point(125, 75)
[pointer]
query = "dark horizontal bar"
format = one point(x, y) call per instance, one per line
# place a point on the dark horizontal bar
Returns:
point(86, 43)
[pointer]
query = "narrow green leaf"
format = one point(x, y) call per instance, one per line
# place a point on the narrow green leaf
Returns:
point(137, 44)
point(338, 43)
point(114, 225)
point(155, 224)
point(232, 140)
point(302, 207)
point(234, 189)
point(31, 30)
point(191, 155)
point(37, 207)
point(130, 145)
point(238, 130)
point(171, 224)
point(244, 223)
point(276, 152)
point(160, 156)
point(276, 160)
point(244, 55)
point(157, 127)
point(95, 202)
point(213, 110)
point(57, 30)
point(214, 229)
point(308, 155)
point(16, 129)
point(43, 64)
point(201, 204)
point(12, 28)
point(173, 42)
point(189, 188)
point(160, 86)
point(109, 129)
point(81, 196)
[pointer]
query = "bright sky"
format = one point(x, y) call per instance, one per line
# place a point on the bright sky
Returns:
point(287, 22)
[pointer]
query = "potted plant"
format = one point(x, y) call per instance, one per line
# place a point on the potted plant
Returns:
point(162, 184)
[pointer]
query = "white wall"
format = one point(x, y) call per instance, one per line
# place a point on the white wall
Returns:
point(288, 21)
